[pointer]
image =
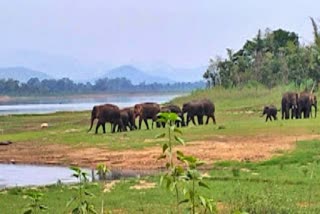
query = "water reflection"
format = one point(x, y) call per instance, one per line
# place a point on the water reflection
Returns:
point(80, 103)
point(30, 175)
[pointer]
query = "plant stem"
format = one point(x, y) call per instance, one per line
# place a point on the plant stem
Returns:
point(193, 205)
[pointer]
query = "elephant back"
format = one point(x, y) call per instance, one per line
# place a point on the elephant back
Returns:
point(109, 113)
point(194, 107)
point(208, 106)
point(147, 110)
point(304, 98)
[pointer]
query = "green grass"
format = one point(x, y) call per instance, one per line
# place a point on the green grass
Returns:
point(288, 183)
point(237, 110)
point(285, 184)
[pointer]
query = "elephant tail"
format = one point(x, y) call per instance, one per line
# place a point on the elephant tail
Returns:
point(93, 116)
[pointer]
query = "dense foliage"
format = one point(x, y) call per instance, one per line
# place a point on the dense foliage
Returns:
point(271, 58)
point(66, 86)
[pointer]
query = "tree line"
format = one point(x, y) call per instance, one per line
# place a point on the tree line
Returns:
point(66, 86)
point(271, 58)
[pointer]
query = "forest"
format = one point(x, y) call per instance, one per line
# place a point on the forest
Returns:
point(271, 58)
point(66, 86)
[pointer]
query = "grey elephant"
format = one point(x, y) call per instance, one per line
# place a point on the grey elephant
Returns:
point(270, 112)
point(289, 102)
point(105, 113)
point(312, 102)
point(199, 108)
point(146, 111)
point(304, 105)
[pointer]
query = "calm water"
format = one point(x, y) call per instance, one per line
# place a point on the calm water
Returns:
point(30, 175)
point(80, 103)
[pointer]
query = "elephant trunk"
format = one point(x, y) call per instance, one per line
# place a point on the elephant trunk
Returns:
point(315, 110)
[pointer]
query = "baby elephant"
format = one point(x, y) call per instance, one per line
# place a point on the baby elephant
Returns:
point(270, 111)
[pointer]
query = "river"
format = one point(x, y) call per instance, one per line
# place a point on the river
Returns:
point(40, 105)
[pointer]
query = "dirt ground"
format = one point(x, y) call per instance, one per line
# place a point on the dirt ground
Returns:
point(220, 148)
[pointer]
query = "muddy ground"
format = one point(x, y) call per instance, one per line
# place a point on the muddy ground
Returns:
point(254, 148)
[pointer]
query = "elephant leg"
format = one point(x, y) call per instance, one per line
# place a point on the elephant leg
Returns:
point(274, 117)
point(213, 119)
point(104, 128)
point(140, 121)
point(97, 127)
point(146, 122)
point(200, 122)
point(208, 117)
point(192, 119)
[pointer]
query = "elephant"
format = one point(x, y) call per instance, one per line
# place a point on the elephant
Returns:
point(304, 105)
point(193, 108)
point(313, 101)
point(127, 118)
point(199, 108)
point(270, 111)
point(146, 111)
point(105, 113)
point(174, 109)
point(289, 101)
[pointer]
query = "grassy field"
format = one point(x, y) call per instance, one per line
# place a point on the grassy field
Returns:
point(288, 183)
point(237, 111)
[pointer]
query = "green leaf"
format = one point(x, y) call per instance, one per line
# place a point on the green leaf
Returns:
point(161, 120)
point(28, 211)
point(203, 201)
point(173, 117)
point(164, 147)
point(184, 201)
point(71, 201)
point(89, 193)
point(201, 184)
point(160, 135)
point(161, 180)
point(167, 165)
point(180, 140)
point(179, 153)
point(177, 130)
point(163, 156)
point(43, 207)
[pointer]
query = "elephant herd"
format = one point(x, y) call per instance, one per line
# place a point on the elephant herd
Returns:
point(121, 119)
point(293, 105)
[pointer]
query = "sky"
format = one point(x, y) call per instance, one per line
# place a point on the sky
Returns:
point(180, 33)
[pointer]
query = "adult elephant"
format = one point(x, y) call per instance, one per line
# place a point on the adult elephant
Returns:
point(193, 109)
point(313, 101)
point(304, 104)
point(199, 108)
point(105, 113)
point(289, 102)
point(174, 109)
point(146, 111)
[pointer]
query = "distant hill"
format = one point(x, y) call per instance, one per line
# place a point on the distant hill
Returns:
point(135, 75)
point(22, 74)
point(177, 74)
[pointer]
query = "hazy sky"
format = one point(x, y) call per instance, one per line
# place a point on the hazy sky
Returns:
point(182, 33)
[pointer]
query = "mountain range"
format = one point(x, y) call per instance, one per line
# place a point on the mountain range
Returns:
point(22, 74)
point(22, 65)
